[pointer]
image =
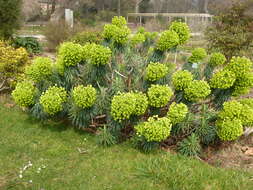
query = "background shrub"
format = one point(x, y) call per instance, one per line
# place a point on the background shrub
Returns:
point(29, 43)
point(10, 14)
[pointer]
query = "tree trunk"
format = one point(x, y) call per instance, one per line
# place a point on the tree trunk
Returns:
point(119, 5)
point(206, 6)
point(53, 6)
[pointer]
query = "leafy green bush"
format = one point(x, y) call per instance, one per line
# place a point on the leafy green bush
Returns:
point(198, 55)
point(190, 146)
point(84, 97)
point(40, 69)
point(183, 31)
point(197, 90)
point(155, 129)
point(159, 95)
point(177, 113)
point(70, 54)
point(29, 43)
point(217, 59)
point(223, 79)
point(24, 94)
point(156, 71)
point(105, 138)
point(52, 100)
point(229, 130)
point(169, 39)
point(181, 79)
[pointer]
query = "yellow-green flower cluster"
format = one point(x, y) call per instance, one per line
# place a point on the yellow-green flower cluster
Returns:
point(141, 103)
point(84, 97)
point(183, 31)
point(197, 90)
point(240, 66)
point(52, 100)
point(181, 79)
point(217, 59)
point(156, 71)
point(40, 69)
point(109, 30)
point(177, 112)
point(24, 94)
point(198, 55)
point(229, 130)
point(124, 105)
point(155, 129)
point(138, 38)
point(70, 54)
point(169, 39)
point(99, 55)
point(117, 31)
point(119, 21)
point(223, 79)
point(247, 102)
point(236, 110)
point(159, 95)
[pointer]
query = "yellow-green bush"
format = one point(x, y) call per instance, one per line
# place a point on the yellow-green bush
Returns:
point(217, 59)
point(177, 112)
point(183, 31)
point(99, 55)
point(119, 21)
point(229, 130)
point(223, 79)
point(52, 100)
point(235, 110)
point(138, 39)
point(24, 94)
point(84, 97)
point(155, 129)
point(197, 90)
point(70, 54)
point(141, 103)
point(156, 71)
point(169, 39)
point(198, 55)
point(123, 106)
point(40, 69)
point(240, 66)
point(159, 95)
point(181, 79)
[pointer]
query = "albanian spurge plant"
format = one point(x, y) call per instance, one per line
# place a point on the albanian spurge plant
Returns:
point(125, 88)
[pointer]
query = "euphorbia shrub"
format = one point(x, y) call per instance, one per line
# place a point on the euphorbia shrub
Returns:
point(52, 100)
point(24, 94)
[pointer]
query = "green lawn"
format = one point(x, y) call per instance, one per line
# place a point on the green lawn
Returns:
point(117, 168)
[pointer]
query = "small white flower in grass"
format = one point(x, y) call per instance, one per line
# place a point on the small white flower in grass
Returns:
point(30, 181)
point(20, 176)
